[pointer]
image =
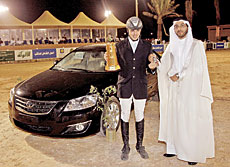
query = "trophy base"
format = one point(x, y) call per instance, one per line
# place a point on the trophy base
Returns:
point(112, 68)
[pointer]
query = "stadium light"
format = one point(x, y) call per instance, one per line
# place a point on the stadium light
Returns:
point(136, 5)
point(107, 13)
point(3, 8)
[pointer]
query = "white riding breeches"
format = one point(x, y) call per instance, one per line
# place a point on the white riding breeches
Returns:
point(139, 107)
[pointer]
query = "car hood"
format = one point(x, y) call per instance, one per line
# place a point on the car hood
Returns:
point(63, 85)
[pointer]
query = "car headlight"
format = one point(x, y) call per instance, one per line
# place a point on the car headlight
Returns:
point(81, 103)
point(11, 95)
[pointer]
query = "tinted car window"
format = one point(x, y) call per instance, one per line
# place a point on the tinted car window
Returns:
point(82, 60)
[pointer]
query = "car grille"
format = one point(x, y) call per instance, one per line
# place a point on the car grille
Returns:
point(33, 107)
point(33, 128)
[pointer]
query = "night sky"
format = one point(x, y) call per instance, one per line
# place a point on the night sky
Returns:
point(67, 10)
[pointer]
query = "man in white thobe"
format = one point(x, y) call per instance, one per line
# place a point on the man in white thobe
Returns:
point(186, 123)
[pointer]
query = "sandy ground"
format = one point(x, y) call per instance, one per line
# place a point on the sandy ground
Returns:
point(22, 149)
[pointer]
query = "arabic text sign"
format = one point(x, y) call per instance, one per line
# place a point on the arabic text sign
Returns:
point(7, 56)
point(219, 45)
point(158, 48)
point(44, 53)
point(23, 54)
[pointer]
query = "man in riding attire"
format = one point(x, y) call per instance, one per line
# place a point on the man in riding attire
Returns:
point(134, 56)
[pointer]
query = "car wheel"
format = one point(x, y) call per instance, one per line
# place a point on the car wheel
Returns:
point(110, 118)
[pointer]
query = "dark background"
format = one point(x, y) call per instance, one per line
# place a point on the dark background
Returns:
point(67, 10)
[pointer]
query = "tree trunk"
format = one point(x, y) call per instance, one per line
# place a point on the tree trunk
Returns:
point(189, 11)
point(216, 4)
point(159, 31)
point(217, 33)
point(159, 28)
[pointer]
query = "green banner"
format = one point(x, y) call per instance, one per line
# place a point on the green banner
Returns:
point(7, 56)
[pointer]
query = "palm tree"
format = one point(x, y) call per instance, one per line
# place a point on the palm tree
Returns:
point(161, 9)
point(216, 4)
point(188, 11)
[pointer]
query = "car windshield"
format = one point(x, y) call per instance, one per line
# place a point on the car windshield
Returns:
point(89, 61)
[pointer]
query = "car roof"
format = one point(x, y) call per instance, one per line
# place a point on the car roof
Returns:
point(93, 47)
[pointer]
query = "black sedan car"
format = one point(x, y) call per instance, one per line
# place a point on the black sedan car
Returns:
point(71, 98)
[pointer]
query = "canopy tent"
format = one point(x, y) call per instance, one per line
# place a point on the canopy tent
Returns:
point(84, 22)
point(9, 21)
point(48, 25)
point(111, 22)
point(11, 26)
point(47, 20)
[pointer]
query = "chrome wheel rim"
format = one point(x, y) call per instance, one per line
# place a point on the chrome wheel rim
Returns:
point(114, 114)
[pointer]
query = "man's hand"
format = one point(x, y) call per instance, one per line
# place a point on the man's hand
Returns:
point(174, 78)
point(153, 61)
point(151, 57)
point(152, 65)
point(106, 56)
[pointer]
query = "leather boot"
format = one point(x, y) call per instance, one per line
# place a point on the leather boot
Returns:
point(140, 135)
point(192, 163)
point(125, 136)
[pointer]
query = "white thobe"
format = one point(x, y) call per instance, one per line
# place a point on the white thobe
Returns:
point(186, 123)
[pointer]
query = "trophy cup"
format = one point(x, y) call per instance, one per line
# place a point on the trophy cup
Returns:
point(112, 63)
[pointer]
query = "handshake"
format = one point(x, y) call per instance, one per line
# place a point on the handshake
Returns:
point(154, 62)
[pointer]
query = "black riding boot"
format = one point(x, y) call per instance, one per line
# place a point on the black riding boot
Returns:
point(140, 135)
point(125, 136)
